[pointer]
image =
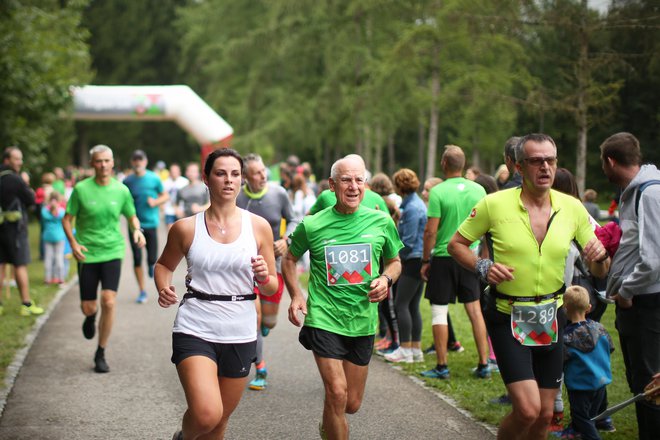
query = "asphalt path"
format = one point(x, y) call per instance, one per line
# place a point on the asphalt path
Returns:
point(57, 395)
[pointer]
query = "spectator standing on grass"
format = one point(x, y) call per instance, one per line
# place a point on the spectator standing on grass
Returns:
point(587, 371)
point(449, 204)
point(15, 197)
point(410, 286)
point(53, 238)
point(634, 281)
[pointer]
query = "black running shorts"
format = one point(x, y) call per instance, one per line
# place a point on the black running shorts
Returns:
point(519, 362)
point(91, 274)
point(354, 349)
point(233, 360)
point(449, 280)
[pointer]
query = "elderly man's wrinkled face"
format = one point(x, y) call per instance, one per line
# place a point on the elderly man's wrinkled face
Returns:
point(256, 175)
point(349, 186)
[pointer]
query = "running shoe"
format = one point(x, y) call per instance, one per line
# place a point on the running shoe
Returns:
point(456, 347)
point(389, 350)
point(89, 326)
point(605, 425)
point(418, 355)
point(557, 422)
point(435, 373)
point(430, 350)
point(178, 435)
point(504, 399)
point(264, 331)
point(398, 355)
point(568, 434)
point(142, 297)
point(30, 310)
point(481, 372)
point(100, 365)
point(383, 344)
point(492, 364)
point(259, 382)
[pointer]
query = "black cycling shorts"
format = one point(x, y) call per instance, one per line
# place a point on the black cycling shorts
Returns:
point(151, 237)
point(354, 349)
point(233, 360)
point(91, 274)
point(449, 280)
point(519, 362)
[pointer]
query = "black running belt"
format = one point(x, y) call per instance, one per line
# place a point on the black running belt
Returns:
point(208, 297)
point(536, 299)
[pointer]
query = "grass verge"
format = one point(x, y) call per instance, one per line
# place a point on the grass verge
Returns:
point(14, 327)
point(474, 394)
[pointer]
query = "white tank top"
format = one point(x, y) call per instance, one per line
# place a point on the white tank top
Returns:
point(220, 269)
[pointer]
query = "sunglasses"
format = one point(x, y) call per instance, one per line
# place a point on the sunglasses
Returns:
point(538, 161)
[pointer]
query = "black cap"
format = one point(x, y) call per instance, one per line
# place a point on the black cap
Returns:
point(138, 155)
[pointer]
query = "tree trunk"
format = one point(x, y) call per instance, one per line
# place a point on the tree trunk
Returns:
point(582, 105)
point(434, 116)
point(421, 140)
point(378, 150)
point(390, 154)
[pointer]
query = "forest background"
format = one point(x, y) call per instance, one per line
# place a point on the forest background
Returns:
point(392, 80)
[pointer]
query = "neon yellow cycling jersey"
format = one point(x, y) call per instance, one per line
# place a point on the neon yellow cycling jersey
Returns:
point(538, 268)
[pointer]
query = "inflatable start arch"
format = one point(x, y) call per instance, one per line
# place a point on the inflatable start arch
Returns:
point(154, 103)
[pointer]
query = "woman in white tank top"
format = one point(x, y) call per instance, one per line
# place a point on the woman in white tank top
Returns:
point(228, 251)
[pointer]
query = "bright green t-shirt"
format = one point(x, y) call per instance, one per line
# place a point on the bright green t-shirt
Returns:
point(538, 269)
point(97, 209)
point(451, 202)
point(328, 198)
point(344, 258)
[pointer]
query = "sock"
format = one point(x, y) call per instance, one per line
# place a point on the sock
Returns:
point(440, 367)
point(27, 303)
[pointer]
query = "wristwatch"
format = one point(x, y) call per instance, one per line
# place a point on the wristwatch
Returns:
point(389, 279)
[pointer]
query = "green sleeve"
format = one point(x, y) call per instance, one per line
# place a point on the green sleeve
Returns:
point(324, 200)
point(298, 243)
point(393, 244)
point(128, 210)
point(72, 206)
point(434, 209)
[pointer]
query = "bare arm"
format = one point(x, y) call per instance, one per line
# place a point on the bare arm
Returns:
point(379, 287)
point(162, 198)
point(430, 234)
point(298, 303)
point(263, 264)
point(178, 242)
point(76, 249)
point(459, 249)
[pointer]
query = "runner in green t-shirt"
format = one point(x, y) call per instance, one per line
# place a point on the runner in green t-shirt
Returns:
point(531, 228)
point(345, 243)
point(96, 204)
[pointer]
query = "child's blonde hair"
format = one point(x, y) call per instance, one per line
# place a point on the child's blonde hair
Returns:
point(576, 299)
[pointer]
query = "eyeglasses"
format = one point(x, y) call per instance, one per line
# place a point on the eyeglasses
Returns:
point(346, 180)
point(538, 161)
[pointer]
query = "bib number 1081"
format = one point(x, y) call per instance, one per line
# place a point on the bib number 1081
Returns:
point(347, 256)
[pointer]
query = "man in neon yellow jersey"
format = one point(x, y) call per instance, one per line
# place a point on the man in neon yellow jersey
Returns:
point(270, 201)
point(346, 243)
point(531, 228)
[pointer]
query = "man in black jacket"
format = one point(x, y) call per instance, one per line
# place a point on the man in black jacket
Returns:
point(15, 196)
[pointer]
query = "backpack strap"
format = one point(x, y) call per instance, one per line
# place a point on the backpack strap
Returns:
point(641, 188)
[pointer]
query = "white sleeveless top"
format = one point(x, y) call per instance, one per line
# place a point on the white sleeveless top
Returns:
point(220, 269)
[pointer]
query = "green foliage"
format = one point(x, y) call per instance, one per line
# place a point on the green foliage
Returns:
point(42, 53)
point(135, 43)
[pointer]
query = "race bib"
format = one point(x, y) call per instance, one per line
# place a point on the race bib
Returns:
point(348, 264)
point(535, 325)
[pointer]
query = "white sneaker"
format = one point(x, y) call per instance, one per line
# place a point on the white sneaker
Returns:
point(399, 355)
point(418, 355)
